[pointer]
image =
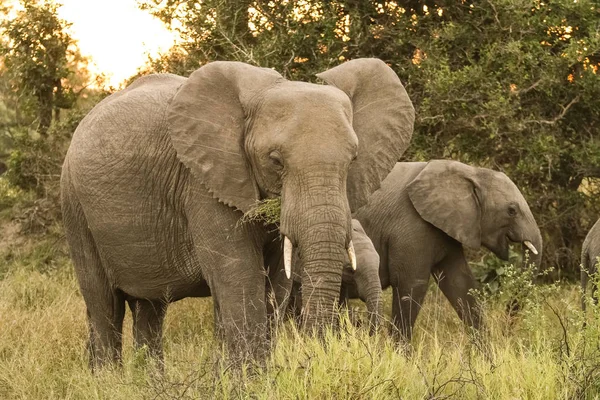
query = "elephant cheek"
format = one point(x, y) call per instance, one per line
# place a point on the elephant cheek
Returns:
point(501, 249)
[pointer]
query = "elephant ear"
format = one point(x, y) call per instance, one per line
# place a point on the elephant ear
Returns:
point(206, 121)
point(447, 195)
point(383, 118)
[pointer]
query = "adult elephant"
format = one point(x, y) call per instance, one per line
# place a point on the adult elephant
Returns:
point(419, 221)
point(158, 175)
point(590, 254)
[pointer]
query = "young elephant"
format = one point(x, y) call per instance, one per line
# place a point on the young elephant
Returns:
point(589, 260)
point(422, 216)
point(363, 283)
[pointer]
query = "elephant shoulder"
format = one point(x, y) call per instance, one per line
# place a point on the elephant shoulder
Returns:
point(389, 208)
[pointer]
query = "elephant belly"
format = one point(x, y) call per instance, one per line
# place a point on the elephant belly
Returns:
point(144, 265)
point(144, 245)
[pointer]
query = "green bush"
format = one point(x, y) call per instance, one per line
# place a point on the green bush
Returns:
point(34, 168)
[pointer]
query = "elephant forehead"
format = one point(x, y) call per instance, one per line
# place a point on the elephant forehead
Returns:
point(306, 100)
point(502, 190)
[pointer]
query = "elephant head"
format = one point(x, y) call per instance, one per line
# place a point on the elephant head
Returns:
point(475, 206)
point(248, 134)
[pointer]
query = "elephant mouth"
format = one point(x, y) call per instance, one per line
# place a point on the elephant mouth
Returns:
point(527, 243)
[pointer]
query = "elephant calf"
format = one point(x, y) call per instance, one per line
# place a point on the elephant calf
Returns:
point(362, 283)
point(589, 261)
point(419, 221)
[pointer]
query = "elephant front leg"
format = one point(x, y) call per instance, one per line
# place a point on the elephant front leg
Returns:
point(407, 301)
point(230, 256)
point(242, 318)
point(409, 286)
point(455, 280)
point(148, 317)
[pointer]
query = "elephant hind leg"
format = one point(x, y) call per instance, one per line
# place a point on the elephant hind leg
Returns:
point(105, 311)
point(105, 304)
point(105, 320)
point(148, 317)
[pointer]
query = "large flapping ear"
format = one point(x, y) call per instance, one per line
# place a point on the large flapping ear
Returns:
point(446, 194)
point(383, 118)
point(206, 121)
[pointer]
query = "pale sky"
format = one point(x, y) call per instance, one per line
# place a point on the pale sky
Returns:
point(116, 34)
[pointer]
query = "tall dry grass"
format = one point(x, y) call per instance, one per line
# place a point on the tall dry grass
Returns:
point(541, 353)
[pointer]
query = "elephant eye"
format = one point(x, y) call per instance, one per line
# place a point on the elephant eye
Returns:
point(275, 158)
point(512, 211)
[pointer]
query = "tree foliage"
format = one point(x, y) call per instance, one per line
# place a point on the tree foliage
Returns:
point(41, 73)
point(42, 67)
point(506, 84)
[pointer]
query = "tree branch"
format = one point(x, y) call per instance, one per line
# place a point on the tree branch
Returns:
point(560, 116)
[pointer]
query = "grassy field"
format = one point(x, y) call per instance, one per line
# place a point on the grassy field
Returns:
point(542, 353)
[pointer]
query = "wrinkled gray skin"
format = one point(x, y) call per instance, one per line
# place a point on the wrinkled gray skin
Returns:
point(363, 283)
point(158, 175)
point(589, 260)
point(423, 215)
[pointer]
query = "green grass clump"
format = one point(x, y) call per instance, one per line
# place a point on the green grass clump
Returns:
point(267, 211)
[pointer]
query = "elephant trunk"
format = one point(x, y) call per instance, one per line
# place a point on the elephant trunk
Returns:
point(315, 216)
point(532, 241)
point(374, 304)
point(368, 287)
point(321, 286)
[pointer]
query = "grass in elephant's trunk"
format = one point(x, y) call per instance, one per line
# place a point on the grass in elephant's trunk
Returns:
point(267, 211)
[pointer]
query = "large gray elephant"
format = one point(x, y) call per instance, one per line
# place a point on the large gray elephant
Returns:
point(361, 282)
point(158, 176)
point(419, 221)
point(589, 261)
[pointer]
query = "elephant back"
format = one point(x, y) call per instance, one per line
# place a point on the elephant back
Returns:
point(116, 128)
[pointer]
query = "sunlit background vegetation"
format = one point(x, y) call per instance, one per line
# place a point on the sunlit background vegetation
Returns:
point(511, 85)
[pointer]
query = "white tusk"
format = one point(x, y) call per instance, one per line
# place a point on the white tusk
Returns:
point(352, 255)
point(287, 256)
point(531, 247)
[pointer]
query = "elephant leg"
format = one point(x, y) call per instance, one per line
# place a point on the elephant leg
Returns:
point(237, 280)
point(231, 258)
point(455, 279)
point(241, 315)
point(105, 317)
point(105, 304)
point(344, 295)
point(148, 317)
point(406, 303)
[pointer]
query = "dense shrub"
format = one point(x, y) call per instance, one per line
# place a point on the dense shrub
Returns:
point(34, 166)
